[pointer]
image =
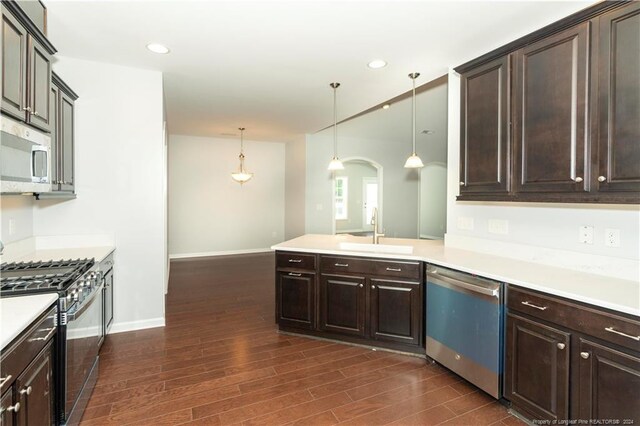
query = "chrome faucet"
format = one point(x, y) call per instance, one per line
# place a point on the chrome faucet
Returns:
point(374, 222)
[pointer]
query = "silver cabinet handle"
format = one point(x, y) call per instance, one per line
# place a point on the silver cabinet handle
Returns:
point(4, 380)
point(361, 285)
point(461, 183)
point(293, 274)
point(45, 338)
point(342, 265)
point(527, 303)
point(578, 179)
point(14, 408)
point(584, 355)
point(28, 109)
point(373, 286)
point(561, 346)
point(394, 269)
point(26, 390)
point(602, 179)
point(295, 260)
point(35, 113)
point(620, 333)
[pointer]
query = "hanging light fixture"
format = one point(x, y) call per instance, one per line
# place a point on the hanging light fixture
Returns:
point(413, 162)
point(335, 163)
point(241, 176)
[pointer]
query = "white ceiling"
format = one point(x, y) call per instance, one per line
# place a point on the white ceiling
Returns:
point(267, 65)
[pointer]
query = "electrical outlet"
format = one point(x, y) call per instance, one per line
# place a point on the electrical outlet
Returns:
point(274, 234)
point(612, 237)
point(319, 207)
point(12, 227)
point(498, 226)
point(465, 223)
point(585, 234)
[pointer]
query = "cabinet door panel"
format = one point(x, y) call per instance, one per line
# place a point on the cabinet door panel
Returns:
point(537, 368)
point(66, 135)
point(35, 390)
point(551, 113)
point(14, 66)
point(396, 311)
point(609, 383)
point(39, 85)
point(485, 149)
point(619, 103)
point(342, 304)
point(296, 303)
point(7, 418)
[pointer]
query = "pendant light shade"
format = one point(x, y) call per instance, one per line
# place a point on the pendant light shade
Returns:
point(335, 163)
point(241, 176)
point(413, 162)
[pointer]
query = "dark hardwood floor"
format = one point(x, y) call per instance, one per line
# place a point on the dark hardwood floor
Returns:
point(220, 360)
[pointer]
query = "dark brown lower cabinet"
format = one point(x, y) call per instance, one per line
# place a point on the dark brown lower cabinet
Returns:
point(396, 311)
point(296, 299)
point(608, 384)
point(35, 390)
point(537, 368)
point(342, 304)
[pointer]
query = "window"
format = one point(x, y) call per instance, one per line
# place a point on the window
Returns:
point(342, 197)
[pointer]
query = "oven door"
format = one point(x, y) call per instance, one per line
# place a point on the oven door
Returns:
point(84, 335)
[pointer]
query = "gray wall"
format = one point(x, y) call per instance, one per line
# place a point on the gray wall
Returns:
point(384, 137)
point(294, 188)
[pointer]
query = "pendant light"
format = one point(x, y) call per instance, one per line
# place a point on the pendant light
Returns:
point(241, 176)
point(335, 163)
point(413, 162)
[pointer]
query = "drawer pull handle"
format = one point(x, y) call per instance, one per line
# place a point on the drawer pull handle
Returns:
point(295, 260)
point(14, 408)
point(584, 355)
point(361, 285)
point(5, 379)
point(612, 330)
point(561, 346)
point(394, 269)
point(26, 390)
point(45, 338)
point(527, 303)
point(373, 286)
point(342, 265)
point(601, 178)
point(293, 274)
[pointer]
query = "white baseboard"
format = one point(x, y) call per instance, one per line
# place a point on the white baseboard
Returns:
point(218, 253)
point(122, 327)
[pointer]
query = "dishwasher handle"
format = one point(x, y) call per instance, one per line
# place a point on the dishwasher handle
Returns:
point(471, 285)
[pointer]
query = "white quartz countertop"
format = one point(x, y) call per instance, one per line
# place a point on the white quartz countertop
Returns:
point(98, 253)
point(17, 313)
point(612, 293)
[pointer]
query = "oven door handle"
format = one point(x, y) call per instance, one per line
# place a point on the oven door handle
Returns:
point(74, 315)
point(470, 287)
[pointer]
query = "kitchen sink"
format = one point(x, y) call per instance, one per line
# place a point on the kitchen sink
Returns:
point(377, 248)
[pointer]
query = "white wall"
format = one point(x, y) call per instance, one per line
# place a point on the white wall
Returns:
point(537, 225)
point(294, 188)
point(16, 217)
point(119, 181)
point(209, 212)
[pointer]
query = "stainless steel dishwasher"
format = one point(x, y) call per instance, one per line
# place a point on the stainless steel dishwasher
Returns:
point(464, 326)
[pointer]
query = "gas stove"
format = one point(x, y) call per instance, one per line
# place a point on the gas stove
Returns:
point(41, 277)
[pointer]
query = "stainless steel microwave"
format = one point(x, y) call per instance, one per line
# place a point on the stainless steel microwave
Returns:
point(25, 159)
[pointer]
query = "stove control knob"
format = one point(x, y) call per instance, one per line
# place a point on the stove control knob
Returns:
point(75, 295)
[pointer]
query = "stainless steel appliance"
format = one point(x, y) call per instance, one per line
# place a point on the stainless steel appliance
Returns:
point(25, 158)
point(80, 330)
point(464, 326)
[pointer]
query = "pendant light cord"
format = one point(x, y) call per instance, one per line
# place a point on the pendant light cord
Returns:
point(335, 120)
point(413, 117)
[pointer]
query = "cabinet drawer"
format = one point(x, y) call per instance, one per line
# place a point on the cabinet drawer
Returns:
point(18, 356)
point(595, 322)
point(384, 268)
point(296, 260)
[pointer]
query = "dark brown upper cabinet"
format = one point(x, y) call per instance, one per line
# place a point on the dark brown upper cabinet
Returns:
point(553, 116)
point(618, 142)
point(485, 140)
point(550, 137)
point(26, 73)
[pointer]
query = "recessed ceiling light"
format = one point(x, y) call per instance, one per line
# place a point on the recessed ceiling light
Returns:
point(377, 63)
point(158, 48)
point(386, 106)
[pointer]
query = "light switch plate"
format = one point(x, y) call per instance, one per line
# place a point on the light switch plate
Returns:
point(585, 234)
point(612, 237)
point(498, 226)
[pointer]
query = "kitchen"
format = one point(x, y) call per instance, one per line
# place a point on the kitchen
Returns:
point(193, 210)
